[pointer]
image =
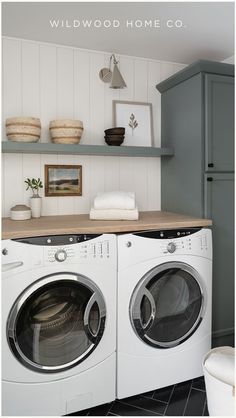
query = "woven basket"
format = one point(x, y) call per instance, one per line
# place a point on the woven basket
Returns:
point(22, 129)
point(66, 131)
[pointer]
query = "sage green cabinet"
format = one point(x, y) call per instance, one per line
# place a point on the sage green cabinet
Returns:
point(219, 123)
point(219, 206)
point(197, 120)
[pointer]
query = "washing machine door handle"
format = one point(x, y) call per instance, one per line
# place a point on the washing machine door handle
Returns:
point(94, 337)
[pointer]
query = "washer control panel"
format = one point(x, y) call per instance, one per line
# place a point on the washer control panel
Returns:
point(171, 247)
point(22, 255)
point(61, 255)
point(85, 251)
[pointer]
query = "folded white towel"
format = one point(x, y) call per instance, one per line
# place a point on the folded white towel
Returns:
point(114, 214)
point(115, 200)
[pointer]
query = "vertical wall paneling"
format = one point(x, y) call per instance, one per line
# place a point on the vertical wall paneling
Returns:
point(97, 99)
point(49, 204)
point(12, 81)
point(140, 80)
point(97, 173)
point(110, 95)
point(30, 79)
point(65, 83)
point(127, 174)
point(82, 203)
point(154, 97)
point(111, 167)
point(153, 182)
point(53, 82)
point(13, 181)
point(126, 66)
point(140, 182)
point(178, 67)
point(82, 92)
point(30, 169)
point(3, 185)
point(48, 88)
point(66, 204)
point(167, 69)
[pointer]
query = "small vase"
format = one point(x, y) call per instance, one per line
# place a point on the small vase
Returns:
point(36, 205)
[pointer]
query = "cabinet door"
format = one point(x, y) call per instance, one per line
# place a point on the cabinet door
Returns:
point(219, 206)
point(219, 123)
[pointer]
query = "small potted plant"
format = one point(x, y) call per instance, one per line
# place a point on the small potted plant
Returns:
point(35, 200)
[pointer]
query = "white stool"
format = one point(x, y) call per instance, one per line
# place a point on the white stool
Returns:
point(218, 368)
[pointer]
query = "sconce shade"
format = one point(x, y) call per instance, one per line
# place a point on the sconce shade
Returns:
point(117, 81)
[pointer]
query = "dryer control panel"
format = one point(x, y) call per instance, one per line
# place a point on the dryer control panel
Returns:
point(164, 245)
point(180, 241)
point(187, 245)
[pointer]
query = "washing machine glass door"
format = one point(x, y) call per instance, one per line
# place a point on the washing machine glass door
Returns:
point(166, 305)
point(57, 322)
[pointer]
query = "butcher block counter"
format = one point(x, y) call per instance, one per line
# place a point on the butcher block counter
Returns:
point(81, 224)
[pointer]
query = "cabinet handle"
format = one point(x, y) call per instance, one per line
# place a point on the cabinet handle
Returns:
point(210, 165)
point(209, 179)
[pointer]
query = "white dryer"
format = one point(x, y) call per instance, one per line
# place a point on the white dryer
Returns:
point(164, 308)
point(59, 316)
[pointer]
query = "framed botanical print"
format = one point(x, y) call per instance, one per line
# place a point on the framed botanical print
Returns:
point(136, 118)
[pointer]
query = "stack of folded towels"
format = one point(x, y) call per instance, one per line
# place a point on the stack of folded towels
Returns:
point(114, 206)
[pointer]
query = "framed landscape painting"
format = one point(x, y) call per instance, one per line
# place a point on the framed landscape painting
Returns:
point(63, 180)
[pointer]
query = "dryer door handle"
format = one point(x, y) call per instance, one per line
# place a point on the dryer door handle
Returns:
point(151, 300)
point(11, 266)
point(135, 311)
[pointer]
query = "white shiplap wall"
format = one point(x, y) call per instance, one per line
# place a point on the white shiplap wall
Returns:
point(51, 82)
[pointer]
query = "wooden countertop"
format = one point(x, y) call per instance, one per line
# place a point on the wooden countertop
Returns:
point(76, 224)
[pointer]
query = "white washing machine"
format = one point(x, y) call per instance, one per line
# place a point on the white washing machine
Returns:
point(164, 308)
point(59, 323)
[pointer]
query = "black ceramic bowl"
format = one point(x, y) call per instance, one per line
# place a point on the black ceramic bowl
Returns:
point(114, 139)
point(115, 131)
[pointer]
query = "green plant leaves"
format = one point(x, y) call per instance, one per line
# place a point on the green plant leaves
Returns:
point(33, 184)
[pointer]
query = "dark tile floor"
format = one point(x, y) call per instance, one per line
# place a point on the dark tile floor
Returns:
point(183, 399)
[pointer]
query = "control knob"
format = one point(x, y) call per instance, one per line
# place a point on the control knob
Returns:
point(61, 255)
point(171, 247)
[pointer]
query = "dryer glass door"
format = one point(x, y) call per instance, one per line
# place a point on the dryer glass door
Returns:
point(166, 305)
point(57, 322)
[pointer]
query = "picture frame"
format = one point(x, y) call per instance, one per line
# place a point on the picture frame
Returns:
point(137, 119)
point(63, 180)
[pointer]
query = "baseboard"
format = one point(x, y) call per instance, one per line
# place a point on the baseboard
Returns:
point(222, 332)
point(223, 337)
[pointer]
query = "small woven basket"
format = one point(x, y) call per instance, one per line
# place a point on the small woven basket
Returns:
point(23, 129)
point(66, 131)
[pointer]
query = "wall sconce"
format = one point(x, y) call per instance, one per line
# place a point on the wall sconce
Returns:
point(114, 77)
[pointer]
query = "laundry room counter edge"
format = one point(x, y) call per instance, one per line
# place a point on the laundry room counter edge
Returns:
point(81, 224)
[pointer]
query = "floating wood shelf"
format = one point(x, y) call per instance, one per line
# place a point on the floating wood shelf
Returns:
point(50, 148)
